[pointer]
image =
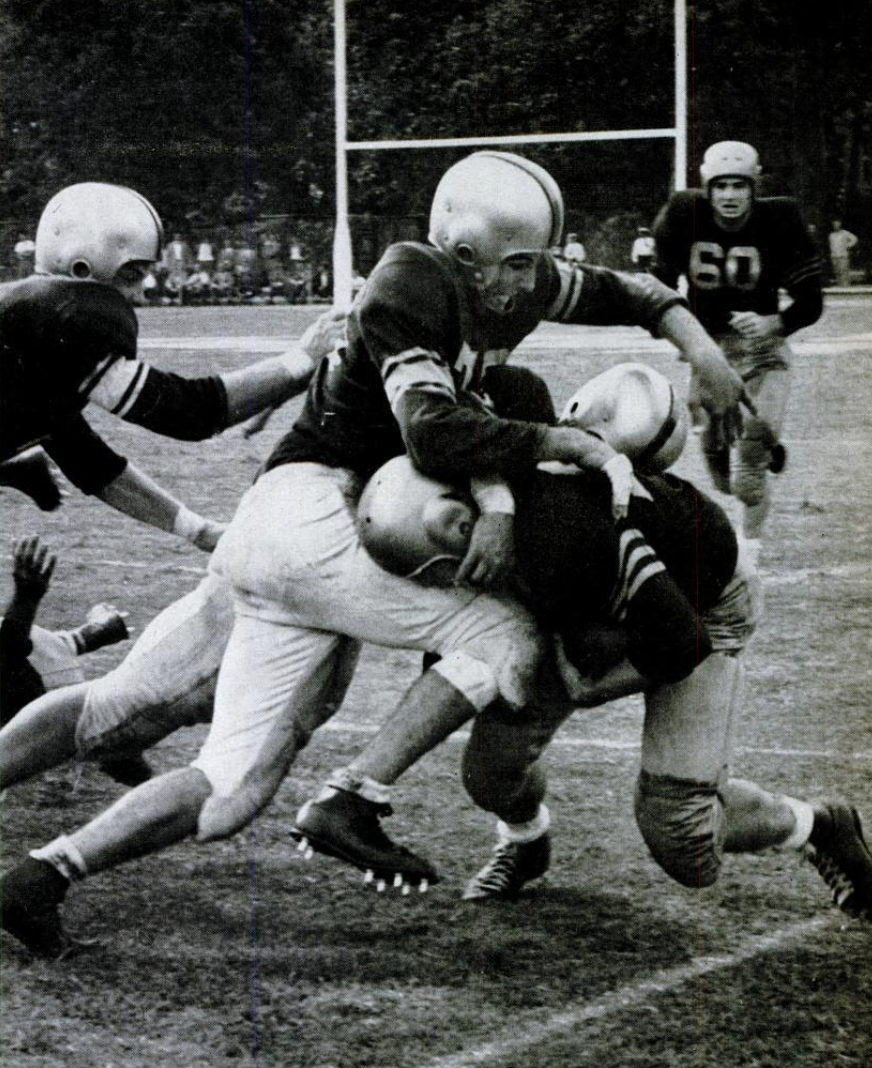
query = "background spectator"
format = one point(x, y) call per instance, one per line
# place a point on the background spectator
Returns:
point(642, 252)
point(24, 254)
point(841, 243)
point(574, 251)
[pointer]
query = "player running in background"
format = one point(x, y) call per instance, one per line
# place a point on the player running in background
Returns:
point(69, 338)
point(736, 251)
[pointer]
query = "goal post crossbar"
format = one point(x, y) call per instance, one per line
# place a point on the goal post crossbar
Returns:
point(512, 139)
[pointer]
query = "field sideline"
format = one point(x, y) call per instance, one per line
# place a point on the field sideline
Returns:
point(240, 953)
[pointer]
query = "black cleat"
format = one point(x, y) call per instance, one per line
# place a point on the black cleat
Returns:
point(777, 458)
point(348, 827)
point(127, 770)
point(839, 851)
point(32, 894)
point(512, 866)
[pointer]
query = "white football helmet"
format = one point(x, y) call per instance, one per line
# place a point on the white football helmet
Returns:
point(409, 523)
point(92, 229)
point(730, 159)
point(634, 409)
point(493, 205)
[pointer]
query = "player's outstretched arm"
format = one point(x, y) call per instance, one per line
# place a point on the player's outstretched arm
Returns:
point(271, 382)
point(135, 494)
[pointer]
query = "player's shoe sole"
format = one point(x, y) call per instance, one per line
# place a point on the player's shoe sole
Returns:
point(512, 866)
point(348, 827)
point(838, 849)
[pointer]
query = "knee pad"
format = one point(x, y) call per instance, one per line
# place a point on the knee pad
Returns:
point(682, 823)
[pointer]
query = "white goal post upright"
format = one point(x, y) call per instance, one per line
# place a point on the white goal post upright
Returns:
point(342, 258)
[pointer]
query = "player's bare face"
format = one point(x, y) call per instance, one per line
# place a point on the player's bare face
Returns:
point(449, 519)
point(731, 199)
point(501, 283)
point(128, 280)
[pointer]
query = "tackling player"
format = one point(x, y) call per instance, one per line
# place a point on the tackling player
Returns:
point(664, 605)
point(426, 341)
point(736, 251)
point(69, 339)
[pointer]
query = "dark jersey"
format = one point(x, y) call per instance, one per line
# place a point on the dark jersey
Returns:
point(61, 339)
point(739, 270)
point(20, 682)
point(419, 345)
point(653, 574)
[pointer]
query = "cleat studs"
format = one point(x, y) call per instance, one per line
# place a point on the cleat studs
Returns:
point(380, 886)
point(423, 886)
point(302, 845)
point(310, 852)
point(369, 876)
point(406, 890)
point(398, 881)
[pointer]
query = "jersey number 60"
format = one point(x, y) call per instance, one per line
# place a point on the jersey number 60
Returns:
point(711, 267)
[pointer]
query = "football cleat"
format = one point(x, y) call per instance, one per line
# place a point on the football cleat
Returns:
point(33, 473)
point(778, 458)
point(32, 894)
point(348, 827)
point(839, 851)
point(512, 866)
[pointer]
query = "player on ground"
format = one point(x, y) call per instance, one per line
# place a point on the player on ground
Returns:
point(426, 341)
point(736, 251)
point(69, 339)
point(664, 606)
point(35, 661)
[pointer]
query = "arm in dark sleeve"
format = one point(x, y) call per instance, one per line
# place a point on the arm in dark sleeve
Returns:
point(802, 277)
point(84, 457)
point(189, 409)
point(15, 643)
point(668, 266)
point(409, 321)
point(666, 637)
point(598, 296)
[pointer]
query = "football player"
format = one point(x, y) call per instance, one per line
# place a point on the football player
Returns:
point(663, 604)
point(736, 251)
point(34, 661)
point(69, 339)
point(426, 340)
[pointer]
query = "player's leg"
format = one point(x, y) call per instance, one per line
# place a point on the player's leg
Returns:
point(42, 735)
point(760, 450)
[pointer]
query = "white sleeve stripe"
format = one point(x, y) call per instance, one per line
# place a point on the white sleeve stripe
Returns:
point(570, 291)
point(119, 387)
point(133, 391)
point(655, 567)
point(94, 377)
point(416, 369)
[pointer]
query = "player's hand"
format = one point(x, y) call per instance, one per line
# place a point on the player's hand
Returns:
point(491, 554)
point(209, 535)
point(720, 385)
point(619, 471)
point(32, 567)
point(756, 327)
point(256, 423)
point(324, 334)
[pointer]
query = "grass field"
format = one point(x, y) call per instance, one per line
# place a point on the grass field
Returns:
point(241, 953)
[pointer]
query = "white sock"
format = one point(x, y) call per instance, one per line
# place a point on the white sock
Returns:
point(354, 783)
point(525, 832)
point(64, 857)
point(803, 813)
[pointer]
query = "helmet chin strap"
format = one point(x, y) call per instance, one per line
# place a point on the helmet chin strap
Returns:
point(662, 436)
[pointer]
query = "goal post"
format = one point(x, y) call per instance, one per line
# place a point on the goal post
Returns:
point(342, 252)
